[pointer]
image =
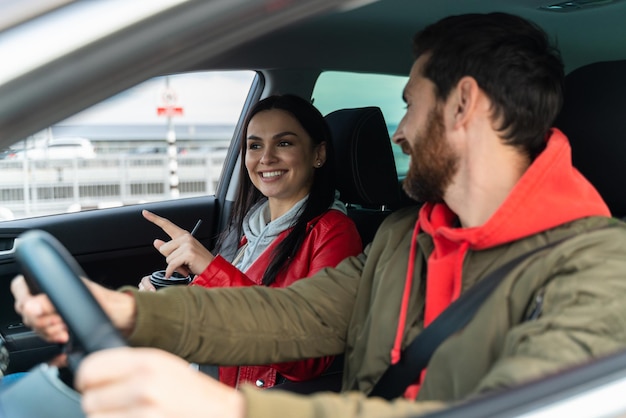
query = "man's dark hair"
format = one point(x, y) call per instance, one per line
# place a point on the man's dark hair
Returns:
point(321, 195)
point(513, 63)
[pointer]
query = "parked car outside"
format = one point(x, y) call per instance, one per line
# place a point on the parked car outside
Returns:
point(58, 149)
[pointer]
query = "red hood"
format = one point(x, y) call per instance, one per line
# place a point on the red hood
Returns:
point(550, 182)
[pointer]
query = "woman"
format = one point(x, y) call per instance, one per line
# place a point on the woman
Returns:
point(287, 222)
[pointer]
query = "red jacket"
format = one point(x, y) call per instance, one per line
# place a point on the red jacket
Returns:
point(332, 237)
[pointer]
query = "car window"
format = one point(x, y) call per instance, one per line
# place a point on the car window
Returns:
point(338, 90)
point(162, 139)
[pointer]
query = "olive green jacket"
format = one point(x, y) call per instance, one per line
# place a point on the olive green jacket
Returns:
point(580, 285)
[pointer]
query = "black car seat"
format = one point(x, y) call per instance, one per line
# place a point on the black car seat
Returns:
point(594, 119)
point(366, 172)
point(368, 184)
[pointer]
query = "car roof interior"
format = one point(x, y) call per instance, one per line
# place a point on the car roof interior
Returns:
point(290, 58)
point(351, 40)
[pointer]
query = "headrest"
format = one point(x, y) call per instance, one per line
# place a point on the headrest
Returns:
point(594, 120)
point(366, 170)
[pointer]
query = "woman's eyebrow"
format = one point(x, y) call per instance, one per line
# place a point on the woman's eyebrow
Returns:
point(277, 136)
point(285, 133)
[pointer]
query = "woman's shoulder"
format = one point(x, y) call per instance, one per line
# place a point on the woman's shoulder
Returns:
point(331, 217)
point(335, 228)
point(332, 220)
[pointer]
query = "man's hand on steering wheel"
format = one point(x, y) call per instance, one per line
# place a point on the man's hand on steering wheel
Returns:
point(39, 313)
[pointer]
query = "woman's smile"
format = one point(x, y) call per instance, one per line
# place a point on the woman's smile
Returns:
point(272, 175)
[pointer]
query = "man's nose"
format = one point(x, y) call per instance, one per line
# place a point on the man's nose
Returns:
point(398, 136)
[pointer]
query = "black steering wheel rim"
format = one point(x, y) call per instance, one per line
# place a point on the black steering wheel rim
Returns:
point(49, 268)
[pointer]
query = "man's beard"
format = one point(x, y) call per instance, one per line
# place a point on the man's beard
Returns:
point(433, 162)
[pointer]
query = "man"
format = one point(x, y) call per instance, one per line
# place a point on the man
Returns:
point(497, 181)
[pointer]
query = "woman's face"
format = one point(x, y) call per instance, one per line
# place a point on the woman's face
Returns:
point(281, 159)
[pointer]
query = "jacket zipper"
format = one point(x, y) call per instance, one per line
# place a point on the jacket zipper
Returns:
point(537, 309)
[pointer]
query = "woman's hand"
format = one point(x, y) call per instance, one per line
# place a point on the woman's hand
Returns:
point(39, 313)
point(183, 253)
point(146, 382)
point(146, 285)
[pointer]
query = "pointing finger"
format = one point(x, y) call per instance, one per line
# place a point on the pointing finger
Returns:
point(166, 225)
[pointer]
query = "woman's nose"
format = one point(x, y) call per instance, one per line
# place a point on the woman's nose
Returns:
point(269, 155)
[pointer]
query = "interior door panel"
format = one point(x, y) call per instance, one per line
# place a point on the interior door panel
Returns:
point(113, 246)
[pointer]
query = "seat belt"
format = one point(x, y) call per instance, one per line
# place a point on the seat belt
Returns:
point(415, 356)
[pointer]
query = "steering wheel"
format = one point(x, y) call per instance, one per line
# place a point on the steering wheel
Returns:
point(49, 268)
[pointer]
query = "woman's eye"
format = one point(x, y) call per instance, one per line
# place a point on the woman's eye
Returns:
point(254, 146)
point(284, 143)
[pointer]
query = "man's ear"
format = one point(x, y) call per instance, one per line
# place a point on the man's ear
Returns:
point(463, 100)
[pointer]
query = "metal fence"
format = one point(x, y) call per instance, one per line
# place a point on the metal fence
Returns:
point(34, 188)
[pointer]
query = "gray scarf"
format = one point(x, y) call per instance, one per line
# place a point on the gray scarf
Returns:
point(260, 232)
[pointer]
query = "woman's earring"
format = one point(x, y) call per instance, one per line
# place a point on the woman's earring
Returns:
point(319, 163)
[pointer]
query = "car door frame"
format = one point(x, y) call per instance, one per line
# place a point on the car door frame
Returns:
point(114, 245)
